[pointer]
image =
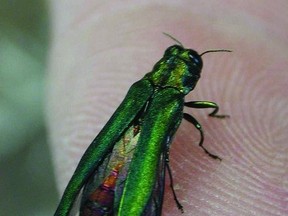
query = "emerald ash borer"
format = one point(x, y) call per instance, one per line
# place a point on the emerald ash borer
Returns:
point(123, 170)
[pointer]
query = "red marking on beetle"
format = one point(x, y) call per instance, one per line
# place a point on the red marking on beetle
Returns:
point(101, 201)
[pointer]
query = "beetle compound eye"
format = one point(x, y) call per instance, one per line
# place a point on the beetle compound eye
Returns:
point(195, 59)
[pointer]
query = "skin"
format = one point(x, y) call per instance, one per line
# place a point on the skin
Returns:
point(99, 50)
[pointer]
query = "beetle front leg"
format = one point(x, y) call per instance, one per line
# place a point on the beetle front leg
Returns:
point(204, 105)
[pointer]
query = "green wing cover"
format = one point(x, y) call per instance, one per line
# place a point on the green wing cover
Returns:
point(160, 123)
point(133, 103)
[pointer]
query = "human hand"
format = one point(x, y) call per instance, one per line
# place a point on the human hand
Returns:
point(99, 50)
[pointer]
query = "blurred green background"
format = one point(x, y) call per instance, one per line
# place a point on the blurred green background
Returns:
point(27, 184)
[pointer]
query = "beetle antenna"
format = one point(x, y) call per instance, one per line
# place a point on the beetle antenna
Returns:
point(209, 51)
point(173, 38)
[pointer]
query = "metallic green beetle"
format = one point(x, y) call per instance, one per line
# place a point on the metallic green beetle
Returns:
point(123, 170)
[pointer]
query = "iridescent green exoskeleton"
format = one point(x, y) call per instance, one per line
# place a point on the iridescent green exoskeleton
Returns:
point(123, 170)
